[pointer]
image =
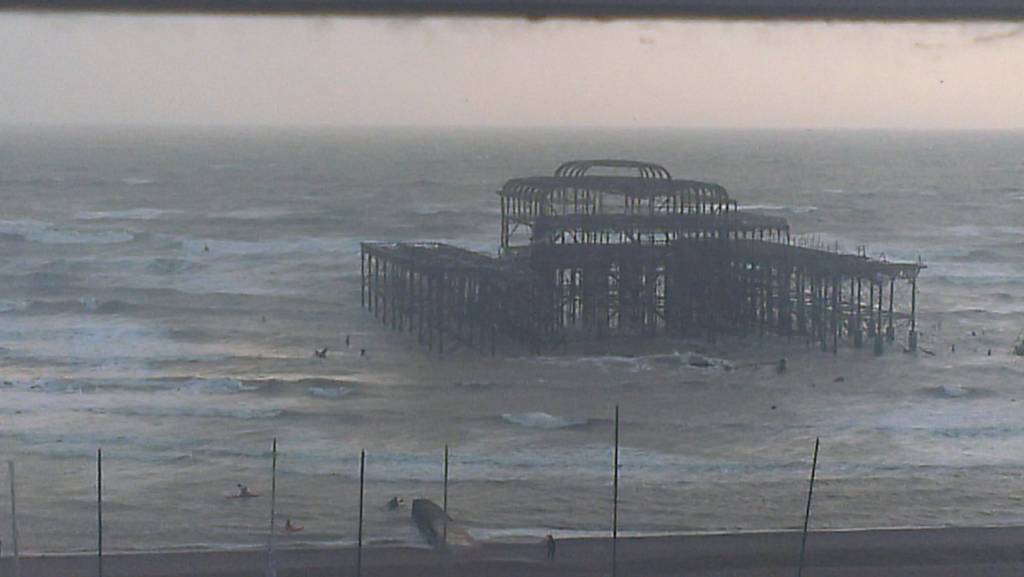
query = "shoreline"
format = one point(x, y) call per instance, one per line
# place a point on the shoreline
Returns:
point(935, 552)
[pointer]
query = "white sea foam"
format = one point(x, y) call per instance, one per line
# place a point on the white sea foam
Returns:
point(779, 208)
point(46, 233)
point(243, 413)
point(223, 385)
point(672, 361)
point(138, 181)
point(7, 306)
point(127, 214)
point(541, 420)
point(255, 213)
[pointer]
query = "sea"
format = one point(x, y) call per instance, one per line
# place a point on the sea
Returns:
point(162, 291)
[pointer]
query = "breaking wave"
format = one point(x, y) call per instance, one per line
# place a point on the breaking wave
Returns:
point(541, 420)
point(956, 392)
point(46, 233)
point(138, 181)
point(779, 208)
point(672, 361)
point(128, 214)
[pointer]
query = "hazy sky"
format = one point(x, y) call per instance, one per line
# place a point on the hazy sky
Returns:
point(196, 70)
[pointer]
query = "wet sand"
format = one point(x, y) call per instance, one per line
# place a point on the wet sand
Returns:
point(907, 553)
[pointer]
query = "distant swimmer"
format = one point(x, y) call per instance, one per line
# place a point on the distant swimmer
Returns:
point(290, 528)
point(780, 367)
point(206, 248)
point(394, 504)
point(320, 353)
point(244, 492)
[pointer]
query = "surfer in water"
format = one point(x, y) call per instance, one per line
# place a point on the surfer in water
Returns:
point(290, 528)
point(394, 504)
point(244, 493)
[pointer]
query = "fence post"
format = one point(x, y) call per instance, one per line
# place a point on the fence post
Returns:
point(359, 542)
point(99, 512)
point(271, 571)
point(444, 537)
point(615, 498)
point(807, 513)
point(14, 521)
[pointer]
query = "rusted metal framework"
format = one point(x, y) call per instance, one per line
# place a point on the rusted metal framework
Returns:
point(586, 256)
point(448, 296)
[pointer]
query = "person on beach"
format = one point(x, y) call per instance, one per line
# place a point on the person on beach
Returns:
point(348, 341)
point(551, 547)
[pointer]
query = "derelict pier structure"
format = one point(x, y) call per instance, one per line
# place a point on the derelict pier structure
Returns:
point(609, 249)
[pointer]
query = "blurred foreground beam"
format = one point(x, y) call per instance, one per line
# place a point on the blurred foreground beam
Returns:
point(581, 9)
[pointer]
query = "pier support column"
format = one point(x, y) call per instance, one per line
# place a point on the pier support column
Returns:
point(912, 336)
point(890, 331)
point(858, 335)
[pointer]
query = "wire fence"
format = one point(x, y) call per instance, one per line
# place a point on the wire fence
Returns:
point(110, 516)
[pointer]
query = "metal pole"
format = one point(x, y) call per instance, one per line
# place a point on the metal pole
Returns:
point(14, 520)
point(359, 543)
point(615, 498)
point(444, 537)
point(807, 513)
point(99, 512)
point(271, 572)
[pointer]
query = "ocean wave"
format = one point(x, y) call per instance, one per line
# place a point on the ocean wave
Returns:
point(7, 306)
point(541, 420)
point(218, 386)
point(255, 213)
point(84, 304)
point(975, 230)
point(281, 246)
point(983, 254)
point(169, 266)
point(127, 214)
point(138, 181)
point(83, 444)
point(779, 208)
point(672, 361)
point(195, 385)
point(241, 413)
point(328, 392)
point(46, 233)
point(956, 392)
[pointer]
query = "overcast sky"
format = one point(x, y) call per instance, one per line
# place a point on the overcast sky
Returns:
point(60, 69)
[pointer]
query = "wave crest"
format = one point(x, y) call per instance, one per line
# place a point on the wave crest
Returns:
point(542, 420)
